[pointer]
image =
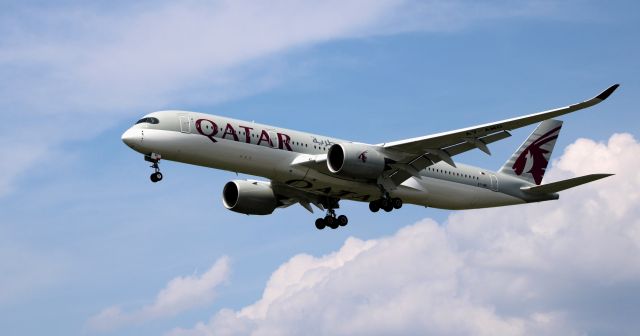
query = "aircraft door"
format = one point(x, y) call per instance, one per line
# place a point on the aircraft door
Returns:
point(494, 182)
point(185, 124)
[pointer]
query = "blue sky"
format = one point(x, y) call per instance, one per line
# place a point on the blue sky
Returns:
point(84, 232)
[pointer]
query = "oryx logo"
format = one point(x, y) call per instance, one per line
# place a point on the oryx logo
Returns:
point(534, 157)
point(363, 156)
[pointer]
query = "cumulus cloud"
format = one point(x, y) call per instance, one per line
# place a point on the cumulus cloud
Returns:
point(180, 294)
point(567, 267)
point(71, 63)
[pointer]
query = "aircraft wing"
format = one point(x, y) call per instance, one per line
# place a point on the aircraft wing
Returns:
point(290, 195)
point(427, 150)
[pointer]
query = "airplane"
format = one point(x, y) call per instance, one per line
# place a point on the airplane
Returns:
point(310, 169)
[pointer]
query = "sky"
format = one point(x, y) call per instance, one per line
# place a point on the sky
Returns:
point(88, 246)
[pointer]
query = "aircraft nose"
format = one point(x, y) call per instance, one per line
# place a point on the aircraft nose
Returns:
point(132, 137)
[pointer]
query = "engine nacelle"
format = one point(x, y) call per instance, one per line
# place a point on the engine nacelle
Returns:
point(249, 197)
point(355, 160)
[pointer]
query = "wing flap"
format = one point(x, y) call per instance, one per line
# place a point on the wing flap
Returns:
point(290, 195)
point(408, 169)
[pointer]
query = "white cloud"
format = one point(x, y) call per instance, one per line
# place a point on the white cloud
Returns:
point(180, 294)
point(567, 267)
point(71, 64)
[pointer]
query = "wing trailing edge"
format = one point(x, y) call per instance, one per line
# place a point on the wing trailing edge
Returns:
point(441, 140)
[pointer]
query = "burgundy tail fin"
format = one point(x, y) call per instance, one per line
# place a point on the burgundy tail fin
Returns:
point(530, 161)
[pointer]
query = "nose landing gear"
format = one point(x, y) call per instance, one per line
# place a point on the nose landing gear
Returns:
point(156, 177)
point(154, 159)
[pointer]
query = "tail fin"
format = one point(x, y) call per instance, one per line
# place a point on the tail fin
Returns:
point(530, 161)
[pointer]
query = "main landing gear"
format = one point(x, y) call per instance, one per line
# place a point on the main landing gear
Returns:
point(331, 220)
point(154, 159)
point(386, 203)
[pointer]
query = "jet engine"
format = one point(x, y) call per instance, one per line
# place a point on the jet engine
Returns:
point(249, 197)
point(355, 160)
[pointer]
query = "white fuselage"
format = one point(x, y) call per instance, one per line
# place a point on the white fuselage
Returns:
point(273, 152)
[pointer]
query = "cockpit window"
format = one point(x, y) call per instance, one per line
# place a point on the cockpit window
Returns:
point(149, 120)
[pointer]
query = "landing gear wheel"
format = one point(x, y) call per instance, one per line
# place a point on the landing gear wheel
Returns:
point(387, 207)
point(154, 159)
point(397, 203)
point(385, 204)
point(331, 222)
point(156, 177)
point(343, 220)
point(374, 206)
point(320, 224)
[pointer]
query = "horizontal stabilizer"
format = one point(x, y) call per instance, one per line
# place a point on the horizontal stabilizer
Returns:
point(555, 187)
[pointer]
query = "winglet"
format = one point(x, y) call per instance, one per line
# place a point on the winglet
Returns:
point(606, 93)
